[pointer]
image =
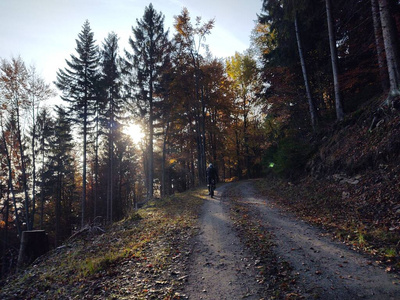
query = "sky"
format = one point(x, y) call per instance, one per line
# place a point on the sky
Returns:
point(43, 32)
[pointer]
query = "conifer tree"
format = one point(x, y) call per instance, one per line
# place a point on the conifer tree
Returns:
point(79, 85)
point(44, 133)
point(62, 173)
point(113, 107)
point(150, 54)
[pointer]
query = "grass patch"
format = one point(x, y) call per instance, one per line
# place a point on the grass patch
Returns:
point(128, 261)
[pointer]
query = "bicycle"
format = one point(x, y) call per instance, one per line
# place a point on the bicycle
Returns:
point(211, 188)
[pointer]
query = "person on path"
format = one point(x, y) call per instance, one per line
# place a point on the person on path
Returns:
point(212, 176)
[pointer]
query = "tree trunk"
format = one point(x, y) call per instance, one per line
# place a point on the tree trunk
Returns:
point(110, 181)
point(42, 184)
point(84, 165)
point(238, 162)
point(383, 74)
point(33, 165)
point(164, 155)
point(334, 60)
point(313, 111)
point(245, 136)
point(203, 166)
point(58, 209)
point(10, 184)
point(34, 243)
point(4, 269)
point(112, 175)
point(151, 156)
point(391, 47)
point(200, 119)
point(96, 163)
point(29, 222)
point(150, 191)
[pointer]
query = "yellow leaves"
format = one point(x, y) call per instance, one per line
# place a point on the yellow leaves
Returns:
point(264, 38)
point(188, 31)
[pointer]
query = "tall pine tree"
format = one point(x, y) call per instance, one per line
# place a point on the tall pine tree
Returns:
point(150, 54)
point(62, 174)
point(79, 85)
point(113, 110)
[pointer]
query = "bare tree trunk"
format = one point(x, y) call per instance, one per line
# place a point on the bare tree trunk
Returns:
point(58, 209)
point(383, 74)
point(238, 162)
point(150, 193)
point(203, 136)
point(108, 198)
point(96, 165)
point(313, 111)
point(10, 182)
point(200, 119)
point(110, 181)
point(33, 164)
point(245, 136)
point(334, 60)
point(4, 270)
point(164, 154)
point(391, 47)
point(112, 177)
point(150, 190)
point(29, 223)
point(42, 185)
point(83, 203)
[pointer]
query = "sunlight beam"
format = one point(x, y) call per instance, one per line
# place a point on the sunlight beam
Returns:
point(135, 132)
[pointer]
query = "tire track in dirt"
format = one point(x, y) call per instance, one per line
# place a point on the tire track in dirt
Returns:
point(325, 269)
point(220, 267)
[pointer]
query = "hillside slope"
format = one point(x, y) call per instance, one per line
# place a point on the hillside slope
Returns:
point(352, 185)
point(141, 257)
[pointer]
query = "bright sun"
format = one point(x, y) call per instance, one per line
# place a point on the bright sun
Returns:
point(135, 132)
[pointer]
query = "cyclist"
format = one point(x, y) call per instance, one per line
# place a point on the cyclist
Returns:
point(212, 176)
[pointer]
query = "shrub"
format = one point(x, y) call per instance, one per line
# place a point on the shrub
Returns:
point(288, 158)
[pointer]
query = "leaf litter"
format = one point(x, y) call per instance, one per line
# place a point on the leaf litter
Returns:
point(141, 257)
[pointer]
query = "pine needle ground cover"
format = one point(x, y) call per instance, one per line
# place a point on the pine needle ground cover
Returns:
point(140, 257)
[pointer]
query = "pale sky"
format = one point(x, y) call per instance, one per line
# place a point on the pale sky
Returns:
point(43, 32)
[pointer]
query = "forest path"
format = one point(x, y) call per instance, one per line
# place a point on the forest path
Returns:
point(222, 268)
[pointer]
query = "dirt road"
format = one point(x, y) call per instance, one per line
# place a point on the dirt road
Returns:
point(222, 268)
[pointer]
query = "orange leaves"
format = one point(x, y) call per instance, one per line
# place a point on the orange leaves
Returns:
point(189, 32)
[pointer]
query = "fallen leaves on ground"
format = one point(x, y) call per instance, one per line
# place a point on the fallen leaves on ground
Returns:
point(141, 257)
point(274, 275)
point(365, 219)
